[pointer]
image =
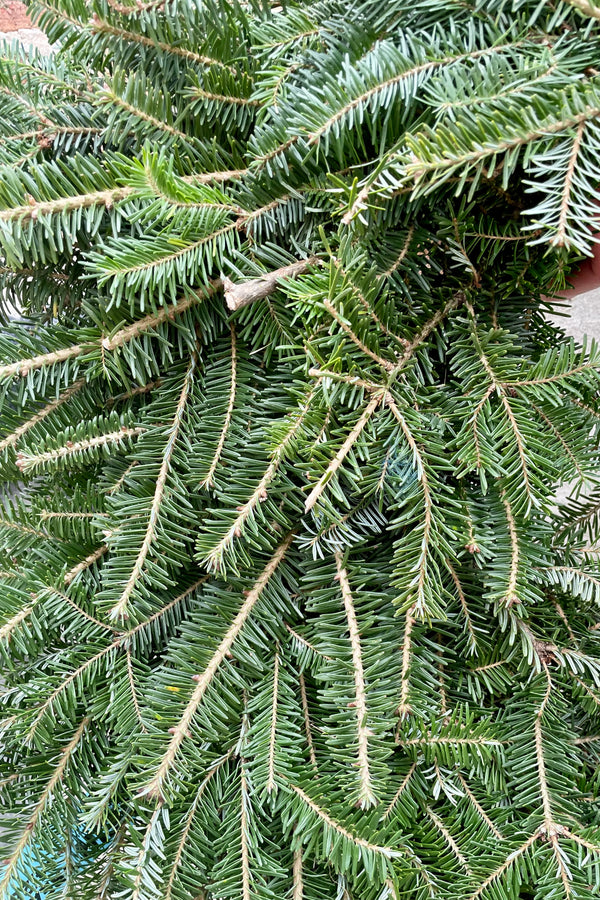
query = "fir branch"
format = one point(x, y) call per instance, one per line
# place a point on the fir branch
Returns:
point(432, 740)
point(307, 725)
point(167, 608)
point(188, 822)
point(428, 328)
point(246, 887)
point(116, 487)
point(479, 808)
point(419, 605)
point(511, 595)
point(119, 610)
point(500, 389)
point(352, 380)
point(464, 606)
point(384, 86)
point(201, 94)
point(548, 422)
point(120, 642)
point(101, 26)
point(302, 640)
point(132, 687)
point(366, 796)
point(25, 529)
point(401, 256)
point(214, 558)
point(510, 860)
point(324, 816)
point(593, 696)
point(79, 610)
point(208, 480)
point(8, 627)
point(28, 461)
point(561, 239)
point(23, 367)
point(541, 763)
point(449, 840)
point(66, 684)
point(298, 880)
point(419, 168)
point(155, 320)
point(271, 784)
point(563, 616)
point(404, 707)
point(138, 884)
point(384, 363)
point(46, 514)
point(14, 860)
point(180, 731)
point(85, 563)
point(40, 209)
point(591, 365)
point(343, 452)
point(403, 785)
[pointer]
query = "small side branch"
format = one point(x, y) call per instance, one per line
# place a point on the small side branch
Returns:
point(343, 452)
point(271, 784)
point(404, 708)
point(11, 440)
point(366, 796)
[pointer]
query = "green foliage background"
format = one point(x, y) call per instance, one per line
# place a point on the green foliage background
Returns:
point(288, 608)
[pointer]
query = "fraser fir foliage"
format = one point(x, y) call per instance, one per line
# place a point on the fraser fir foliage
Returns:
point(288, 607)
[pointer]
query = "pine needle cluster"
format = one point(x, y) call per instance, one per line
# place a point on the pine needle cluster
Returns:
point(289, 608)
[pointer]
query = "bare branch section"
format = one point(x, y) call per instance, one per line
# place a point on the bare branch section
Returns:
point(239, 295)
point(180, 731)
point(586, 8)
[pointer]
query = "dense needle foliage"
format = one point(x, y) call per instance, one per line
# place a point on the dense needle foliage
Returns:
point(288, 609)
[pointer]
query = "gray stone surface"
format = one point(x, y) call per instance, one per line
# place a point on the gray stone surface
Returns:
point(29, 37)
point(583, 315)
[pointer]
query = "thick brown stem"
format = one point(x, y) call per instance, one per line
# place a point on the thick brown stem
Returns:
point(240, 295)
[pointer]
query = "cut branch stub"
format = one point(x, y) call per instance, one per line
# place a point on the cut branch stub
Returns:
point(239, 295)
